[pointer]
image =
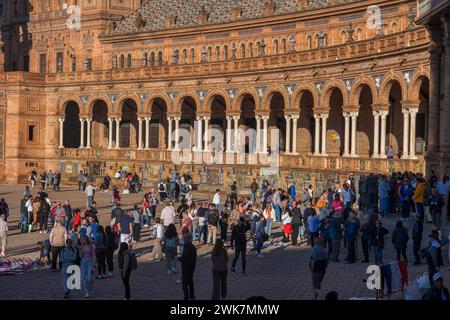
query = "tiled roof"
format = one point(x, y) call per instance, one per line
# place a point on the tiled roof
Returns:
point(152, 15)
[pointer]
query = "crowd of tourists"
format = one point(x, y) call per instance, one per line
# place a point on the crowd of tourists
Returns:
point(329, 222)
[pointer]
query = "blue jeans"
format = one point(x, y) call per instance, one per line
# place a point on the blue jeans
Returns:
point(378, 255)
point(268, 229)
point(259, 244)
point(89, 201)
point(203, 232)
point(384, 206)
point(254, 197)
point(86, 275)
point(420, 210)
point(277, 212)
point(195, 230)
point(145, 220)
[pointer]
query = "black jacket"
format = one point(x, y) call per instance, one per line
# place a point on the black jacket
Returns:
point(377, 237)
point(434, 294)
point(365, 231)
point(238, 235)
point(297, 216)
point(417, 230)
point(189, 258)
point(400, 238)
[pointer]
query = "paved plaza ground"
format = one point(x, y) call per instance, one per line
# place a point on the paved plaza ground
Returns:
point(283, 273)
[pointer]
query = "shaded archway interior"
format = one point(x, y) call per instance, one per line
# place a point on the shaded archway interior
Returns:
point(72, 125)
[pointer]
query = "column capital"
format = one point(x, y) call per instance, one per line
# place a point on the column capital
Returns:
point(118, 119)
point(317, 116)
point(354, 114)
point(61, 119)
point(405, 112)
point(236, 117)
point(347, 115)
point(324, 115)
point(413, 111)
point(376, 114)
point(408, 104)
point(287, 116)
point(383, 113)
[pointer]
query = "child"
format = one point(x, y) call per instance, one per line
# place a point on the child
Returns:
point(45, 248)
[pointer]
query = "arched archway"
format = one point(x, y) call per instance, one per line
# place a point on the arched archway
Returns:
point(306, 124)
point(158, 125)
point(422, 116)
point(129, 124)
point(394, 128)
point(187, 121)
point(335, 124)
point(72, 125)
point(277, 119)
point(248, 121)
point(218, 117)
point(365, 128)
point(100, 124)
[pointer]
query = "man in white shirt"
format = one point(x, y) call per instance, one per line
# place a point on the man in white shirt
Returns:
point(216, 199)
point(3, 235)
point(90, 191)
point(156, 251)
point(168, 214)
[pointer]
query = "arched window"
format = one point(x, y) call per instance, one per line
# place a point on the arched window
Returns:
point(160, 58)
point(152, 59)
point(243, 51)
point(192, 55)
point(225, 53)
point(144, 59)
point(129, 60)
point(217, 54)
point(343, 37)
point(250, 50)
point(283, 46)
point(309, 44)
point(209, 54)
point(122, 61)
point(185, 56)
point(275, 47)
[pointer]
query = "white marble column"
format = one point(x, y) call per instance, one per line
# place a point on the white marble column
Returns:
point(169, 137)
point(265, 134)
point(412, 146)
point(147, 133)
point(199, 135)
point(376, 134)
point(294, 135)
point(82, 133)
point(229, 123)
point(206, 133)
point(110, 132)
point(236, 133)
point(347, 134)
point(258, 134)
point(88, 138)
point(61, 133)
point(405, 154)
point(288, 135)
point(118, 133)
point(383, 115)
point(140, 133)
point(324, 134)
point(177, 136)
point(317, 135)
point(354, 116)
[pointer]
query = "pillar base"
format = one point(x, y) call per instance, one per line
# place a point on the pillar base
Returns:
point(375, 156)
point(353, 156)
point(405, 157)
point(324, 154)
point(346, 155)
point(413, 157)
point(61, 147)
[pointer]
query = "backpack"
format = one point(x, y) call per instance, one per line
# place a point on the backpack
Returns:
point(161, 187)
point(213, 218)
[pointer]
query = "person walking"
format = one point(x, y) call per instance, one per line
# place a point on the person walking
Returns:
point(136, 217)
point(156, 251)
point(216, 200)
point(419, 197)
point(239, 242)
point(68, 258)
point(405, 193)
point(87, 252)
point(100, 242)
point(168, 214)
point(416, 235)
point(44, 210)
point(384, 190)
point(297, 222)
point(254, 189)
point(188, 262)
point(90, 192)
point(170, 243)
point(219, 257)
point(365, 236)
point(125, 227)
point(125, 267)
point(400, 240)
point(58, 237)
point(313, 223)
point(269, 215)
point(318, 265)
point(3, 235)
point(351, 233)
point(336, 235)
point(377, 241)
point(111, 246)
point(436, 202)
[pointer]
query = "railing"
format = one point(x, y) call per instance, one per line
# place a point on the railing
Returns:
point(405, 40)
point(286, 161)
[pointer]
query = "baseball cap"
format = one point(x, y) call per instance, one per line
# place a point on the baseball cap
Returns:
point(437, 276)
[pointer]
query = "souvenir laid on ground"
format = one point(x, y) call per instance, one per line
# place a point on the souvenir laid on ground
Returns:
point(16, 265)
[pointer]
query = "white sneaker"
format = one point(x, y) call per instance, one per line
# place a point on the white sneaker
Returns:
point(169, 272)
point(2, 254)
point(45, 231)
point(260, 256)
point(40, 231)
point(145, 225)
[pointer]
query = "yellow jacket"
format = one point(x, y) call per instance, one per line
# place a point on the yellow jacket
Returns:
point(419, 193)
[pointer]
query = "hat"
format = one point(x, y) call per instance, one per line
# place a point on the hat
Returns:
point(437, 276)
